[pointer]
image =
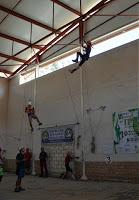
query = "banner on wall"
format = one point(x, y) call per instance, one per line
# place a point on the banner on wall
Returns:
point(126, 131)
point(58, 134)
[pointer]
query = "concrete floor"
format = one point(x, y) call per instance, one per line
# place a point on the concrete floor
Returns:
point(58, 189)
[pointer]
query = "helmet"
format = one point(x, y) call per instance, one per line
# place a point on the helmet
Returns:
point(29, 102)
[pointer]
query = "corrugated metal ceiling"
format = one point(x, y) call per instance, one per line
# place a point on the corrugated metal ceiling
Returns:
point(38, 24)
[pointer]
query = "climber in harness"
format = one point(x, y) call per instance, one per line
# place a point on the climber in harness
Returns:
point(84, 56)
point(31, 115)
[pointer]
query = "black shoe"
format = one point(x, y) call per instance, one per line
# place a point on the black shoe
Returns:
point(40, 124)
point(21, 189)
point(32, 129)
point(76, 61)
point(73, 70)
point(17, 190)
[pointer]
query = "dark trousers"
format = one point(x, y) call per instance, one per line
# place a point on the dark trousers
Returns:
point(32, 116)
point(43, 165)
point(83, 58)
point(68, 169)
point(28, 166)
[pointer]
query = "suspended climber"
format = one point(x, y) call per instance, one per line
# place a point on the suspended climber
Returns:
point(31, 115)
point(84, 56)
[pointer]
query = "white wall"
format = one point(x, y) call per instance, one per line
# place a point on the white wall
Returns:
point(109, 79)
point(3, 111)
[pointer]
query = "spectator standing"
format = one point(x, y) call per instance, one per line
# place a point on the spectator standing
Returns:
point(20, 169)
point(43, 165)
point(28, 158)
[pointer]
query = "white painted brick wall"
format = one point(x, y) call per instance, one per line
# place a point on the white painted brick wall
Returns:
point(56, 156)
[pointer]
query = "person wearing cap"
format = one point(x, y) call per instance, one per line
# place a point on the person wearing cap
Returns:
point(20, 169)
point(84, 56)
point(31, 115)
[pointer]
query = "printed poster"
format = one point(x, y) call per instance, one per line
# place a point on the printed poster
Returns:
point(126, 131)
point(58, 134)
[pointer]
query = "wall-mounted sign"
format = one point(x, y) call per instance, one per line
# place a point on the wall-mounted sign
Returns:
point(126, 131)
point(58, 134)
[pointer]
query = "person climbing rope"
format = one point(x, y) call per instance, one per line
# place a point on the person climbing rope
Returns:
point(84, 56)
point(31, 115)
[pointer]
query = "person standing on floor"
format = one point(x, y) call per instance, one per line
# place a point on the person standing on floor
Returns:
point(28, 157)
point(20, 169)
point(43, 165)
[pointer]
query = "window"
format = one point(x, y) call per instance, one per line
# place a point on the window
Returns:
point(119, 40)
point(26, 77)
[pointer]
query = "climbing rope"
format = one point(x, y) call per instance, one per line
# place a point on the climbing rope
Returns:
point(71, 97)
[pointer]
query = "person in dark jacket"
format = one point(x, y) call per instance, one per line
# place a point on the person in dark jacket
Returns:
point(43, 165)
point(28, 157)
point(20, 169)
point(84, 57)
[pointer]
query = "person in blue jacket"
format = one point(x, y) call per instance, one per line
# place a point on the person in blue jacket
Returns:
point(20, 169)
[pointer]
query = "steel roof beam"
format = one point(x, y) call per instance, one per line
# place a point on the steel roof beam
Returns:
point(99, 6)
point(23, 17)
point(49, 45)
point(8, 37)
point(67, 7)
point(12, 58)
point(35, 43)
point(5, 71)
